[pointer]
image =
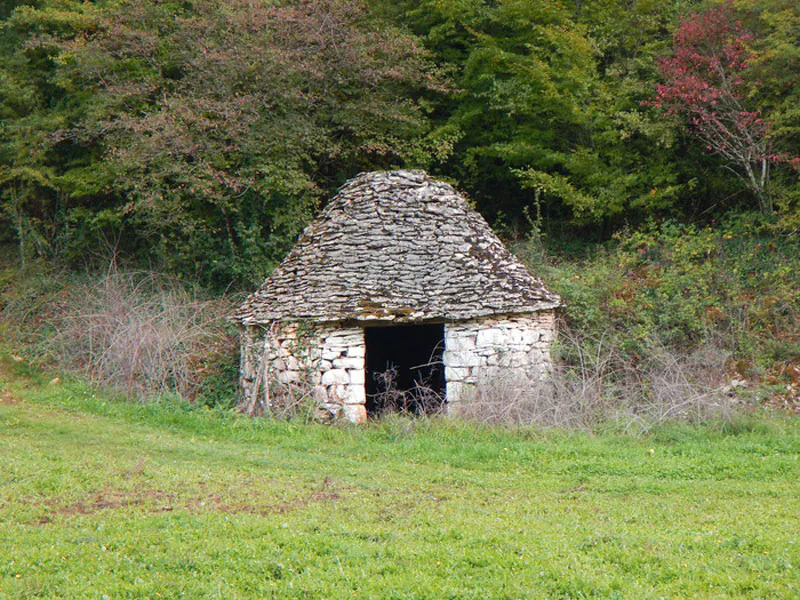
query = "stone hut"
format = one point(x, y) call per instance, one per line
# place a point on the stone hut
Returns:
point(398, 292)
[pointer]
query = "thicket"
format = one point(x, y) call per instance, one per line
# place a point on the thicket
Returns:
point(141, 335)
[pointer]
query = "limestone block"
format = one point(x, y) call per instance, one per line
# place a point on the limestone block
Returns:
point(356, 394)
point(348, 363)
point(355, 413)
point(311, 354)
point(342, 340)
point(461, 342)
point(335, 377)
point(462, 359)
point(490, 337)
point(325, 365)
point(458, 396)
point(288, 376)
point(530, 336)
point(547, 335)
point(357, 351)
point(465, 329)
point(337, 394)
point(513, 360)
point(357, 377)
point(456, 373)
point(458, 392)
point(516, 336)
point(329, 353)
point(453, 391)
point(494, 359)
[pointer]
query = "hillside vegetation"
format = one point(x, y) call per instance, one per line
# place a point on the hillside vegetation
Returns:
point(199, 137)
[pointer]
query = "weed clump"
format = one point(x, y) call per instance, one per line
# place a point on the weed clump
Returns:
point(595, 383)
point(141, 334)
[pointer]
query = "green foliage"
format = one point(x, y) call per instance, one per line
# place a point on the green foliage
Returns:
point(201, 137)
point(550, 110)
point(734, 286)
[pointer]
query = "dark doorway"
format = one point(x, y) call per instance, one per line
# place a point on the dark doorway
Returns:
point(404, 369)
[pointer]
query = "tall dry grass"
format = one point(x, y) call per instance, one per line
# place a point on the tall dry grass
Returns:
point(139, 333)
point(594, 381)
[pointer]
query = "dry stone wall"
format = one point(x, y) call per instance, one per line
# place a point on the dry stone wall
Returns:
point(288, 368)
point(510, 348)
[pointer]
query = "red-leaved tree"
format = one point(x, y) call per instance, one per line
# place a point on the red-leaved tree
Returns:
point(708, 81)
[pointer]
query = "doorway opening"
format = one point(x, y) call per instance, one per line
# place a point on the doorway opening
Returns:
point(404, 369)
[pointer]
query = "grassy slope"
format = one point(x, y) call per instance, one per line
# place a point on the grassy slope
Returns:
point(118, 500)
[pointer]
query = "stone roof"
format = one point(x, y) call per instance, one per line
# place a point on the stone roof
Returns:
point(396, 246)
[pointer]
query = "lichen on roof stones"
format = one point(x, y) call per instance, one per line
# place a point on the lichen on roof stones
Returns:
point(396, 246)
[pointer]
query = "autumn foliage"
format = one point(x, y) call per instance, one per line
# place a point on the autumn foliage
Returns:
point(709, 81)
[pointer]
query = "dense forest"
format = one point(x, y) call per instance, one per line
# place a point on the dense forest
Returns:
point(642, 154)
point(201, 136)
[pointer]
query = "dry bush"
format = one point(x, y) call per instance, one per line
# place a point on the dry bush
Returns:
point(142, 334)
point(422, 399)
point(286, 400)
point(595, 382)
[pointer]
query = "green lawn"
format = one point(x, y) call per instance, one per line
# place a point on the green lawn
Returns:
point(116, 500)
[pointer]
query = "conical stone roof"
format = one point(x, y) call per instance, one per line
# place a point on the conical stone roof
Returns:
point(396, 246)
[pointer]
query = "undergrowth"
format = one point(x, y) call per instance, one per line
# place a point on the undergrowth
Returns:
point(138, 334)
point(715, 307)
point(669, 322)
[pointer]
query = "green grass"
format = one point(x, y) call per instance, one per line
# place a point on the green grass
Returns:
point(103, 499)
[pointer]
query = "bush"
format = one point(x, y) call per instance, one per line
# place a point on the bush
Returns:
point(735, 285)
point(142, 334)
point(594, 382)
point(720, 302)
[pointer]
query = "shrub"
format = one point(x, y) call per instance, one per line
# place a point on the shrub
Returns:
point(595, 382)
point(674, 302)
point(735, 285)
point(139, 333)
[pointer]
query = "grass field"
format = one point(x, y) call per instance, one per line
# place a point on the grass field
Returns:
point(117, 500)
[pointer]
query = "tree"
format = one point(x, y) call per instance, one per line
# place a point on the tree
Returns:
point(709, 81)
point(548, 117)
point(223, 124)
point(44, 177)
point(523, 71)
